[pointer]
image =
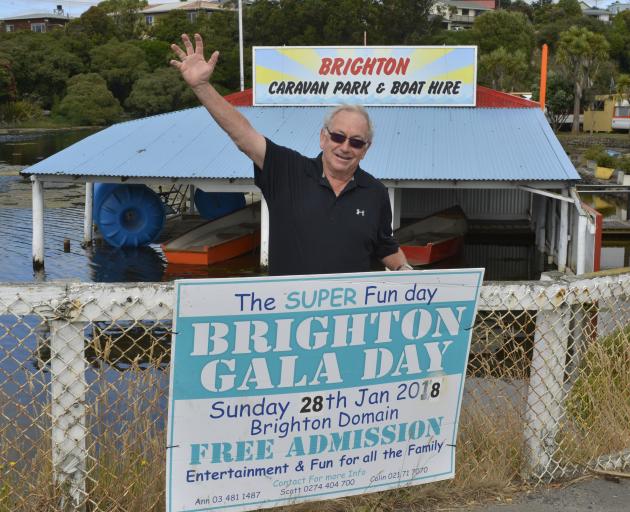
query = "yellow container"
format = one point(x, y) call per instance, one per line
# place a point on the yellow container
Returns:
point(603, 173)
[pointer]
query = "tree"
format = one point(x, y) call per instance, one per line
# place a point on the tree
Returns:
point(8, 90)
point(95, 24)
point(40, 65)
point(89, 102)
point(559, 100)
point(120, 64)
point(503, 70)
point(580, 53)
point(156, 53)
point(160, 91)
point(511, 31)
point(172, 25)
point(619, 39)
point(126, 16)
point(404, 21)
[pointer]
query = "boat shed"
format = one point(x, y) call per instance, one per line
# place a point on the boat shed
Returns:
point(499, 161)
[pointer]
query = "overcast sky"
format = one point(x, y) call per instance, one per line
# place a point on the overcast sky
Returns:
point(77, 7)
point(71, 7)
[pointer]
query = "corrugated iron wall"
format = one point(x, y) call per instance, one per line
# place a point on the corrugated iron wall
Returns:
point(478, 204)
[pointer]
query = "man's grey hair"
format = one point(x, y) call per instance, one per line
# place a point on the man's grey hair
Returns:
point(357, 109)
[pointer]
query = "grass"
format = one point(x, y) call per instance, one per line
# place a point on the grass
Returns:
point(598, 406)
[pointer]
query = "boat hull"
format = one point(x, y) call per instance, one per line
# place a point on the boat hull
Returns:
point(418, 255)
point(218, 240)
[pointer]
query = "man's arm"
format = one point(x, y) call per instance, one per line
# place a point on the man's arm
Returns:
point(196, 71)
point(396, 261)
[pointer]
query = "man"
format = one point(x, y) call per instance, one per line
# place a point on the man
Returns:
point(326, 214)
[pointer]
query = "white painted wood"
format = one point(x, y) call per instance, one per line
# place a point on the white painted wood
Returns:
point(563, 235)
point(68, 388)
point(87, 216)
point(545, 395)
point(582, 249)
point(553, 233)
point(541, 223)
point(191, 199)
point(395, 203)
point(264, 233)
point(38, 223)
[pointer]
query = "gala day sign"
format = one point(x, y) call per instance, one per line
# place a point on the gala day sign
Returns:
point(403, 76)
point(292, 389)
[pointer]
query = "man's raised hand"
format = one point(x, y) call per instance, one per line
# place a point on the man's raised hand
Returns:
point(192, 65)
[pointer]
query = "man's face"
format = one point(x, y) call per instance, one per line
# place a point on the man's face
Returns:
point(342, 158)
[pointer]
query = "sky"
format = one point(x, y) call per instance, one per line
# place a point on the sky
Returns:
point(77, 7)
point(71, 7)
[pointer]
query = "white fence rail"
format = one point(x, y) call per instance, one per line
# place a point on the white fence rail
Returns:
point(84, 384)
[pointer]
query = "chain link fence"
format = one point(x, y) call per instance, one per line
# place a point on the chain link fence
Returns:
point(84, 390)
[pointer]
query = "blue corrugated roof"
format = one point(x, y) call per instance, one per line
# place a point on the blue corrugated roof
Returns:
point(410, 144)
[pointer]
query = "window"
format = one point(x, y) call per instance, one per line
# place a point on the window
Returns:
point(9, 28)
point(149, 19)
point(622, 111)
point(38, 27)
point(464, 12)
point(192, 17)
point(598, 105)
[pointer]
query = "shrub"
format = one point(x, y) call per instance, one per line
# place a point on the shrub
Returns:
point(19, 112)
point(89, 102)
point(594, 152)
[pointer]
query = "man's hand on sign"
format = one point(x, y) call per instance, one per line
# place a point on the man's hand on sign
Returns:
point(194, 68)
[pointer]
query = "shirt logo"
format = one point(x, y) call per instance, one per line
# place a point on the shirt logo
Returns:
point(361, 212)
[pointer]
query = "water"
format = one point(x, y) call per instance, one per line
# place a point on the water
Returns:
point(504, 259)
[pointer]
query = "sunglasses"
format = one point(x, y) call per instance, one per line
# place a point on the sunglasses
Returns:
point(340, 138)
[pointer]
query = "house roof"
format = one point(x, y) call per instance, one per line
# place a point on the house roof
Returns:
point(38, 16)
point(478, 5)
point(428, 144)
point(196, 5)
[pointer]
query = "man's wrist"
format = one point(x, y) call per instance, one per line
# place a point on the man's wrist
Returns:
point(405, 266)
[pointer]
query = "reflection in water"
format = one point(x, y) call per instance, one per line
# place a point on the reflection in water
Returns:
point(30, 148)
point(126, 264)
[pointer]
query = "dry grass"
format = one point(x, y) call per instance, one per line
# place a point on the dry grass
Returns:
point(598, 406)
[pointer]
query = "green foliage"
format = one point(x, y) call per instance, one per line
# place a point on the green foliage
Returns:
point(158, 92)
point(156, 53)
point(120, 64)
point(171, 26)
point(503, 70)
point(619, 38)
point(89, 102)
point(95, 24)
point(15, 112)
point(594, 152)
point(559, 99)
point(511, 31)
point(605, 160)
point(126, 16)
point(580, 54)
point(8, 90)
point(41, 65)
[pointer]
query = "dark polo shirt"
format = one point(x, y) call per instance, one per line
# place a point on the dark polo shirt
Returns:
point(312, 231)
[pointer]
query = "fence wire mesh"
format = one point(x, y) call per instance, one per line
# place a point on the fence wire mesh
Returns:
point(84, 371)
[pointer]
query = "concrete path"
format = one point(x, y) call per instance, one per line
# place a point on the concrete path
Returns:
point(591, 495)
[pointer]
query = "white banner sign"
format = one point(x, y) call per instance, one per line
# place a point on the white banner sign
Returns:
point(292, 389)
point(373, 75)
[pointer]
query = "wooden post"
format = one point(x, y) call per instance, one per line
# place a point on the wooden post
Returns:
point(545, 396)
point(541, 221)
point(88, 215)
point(553, 232)
point(38, 223)
point(264, 233)
point(394, 200)
point(543, 76)
point(191, 199)
point(68, 388)
point(563, 235)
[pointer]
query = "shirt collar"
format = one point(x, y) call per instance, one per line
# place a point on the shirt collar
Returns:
point(358, 178)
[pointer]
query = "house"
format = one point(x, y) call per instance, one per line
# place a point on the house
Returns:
point(618, 7)
point(193, 8)
point(499, 161)
point(36, 22)
point(594, 12)
point(461, 14)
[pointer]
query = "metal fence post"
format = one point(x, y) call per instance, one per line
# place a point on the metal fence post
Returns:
point(68, 390)
point(546, 393)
